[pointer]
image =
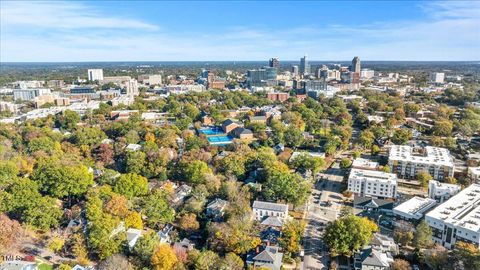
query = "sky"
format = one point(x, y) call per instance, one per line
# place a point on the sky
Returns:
point(66, 31)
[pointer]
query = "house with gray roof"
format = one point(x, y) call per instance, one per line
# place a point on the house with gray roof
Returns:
point(266, 256)
point(216, 208)
point(262, 210)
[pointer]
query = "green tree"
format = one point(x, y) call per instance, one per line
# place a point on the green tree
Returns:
point(365, 139)
point(135, 162)
point(304, 162)
point(155, 207)
point(424, 177)
point(195, 171)
point(145, 247)
point(401, 136)
point(345, 163)
point(68, 119)
point(286, 186)
point(443, 127)
point(62, 179)
point(44, 215)
point(349, 234)
point(89, 136)
point(291, 236)
point(41, 144)
point(131, 185)
point(293, 136)
point(423, 236)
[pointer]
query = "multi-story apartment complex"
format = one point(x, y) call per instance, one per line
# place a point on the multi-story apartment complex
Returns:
point(372, 183)
point(95, 74)
point(29, 94)
point(457, 219)
point(407, 161)
point(367, 73)
point(150, 79)
point(442, 191)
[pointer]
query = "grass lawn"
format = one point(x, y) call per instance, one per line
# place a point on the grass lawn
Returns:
point(45, 266)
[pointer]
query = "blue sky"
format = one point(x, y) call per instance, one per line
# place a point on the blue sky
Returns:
point(238, 30)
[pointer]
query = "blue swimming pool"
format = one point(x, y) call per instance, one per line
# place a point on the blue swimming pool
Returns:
point(211, 131)
point(220, 140)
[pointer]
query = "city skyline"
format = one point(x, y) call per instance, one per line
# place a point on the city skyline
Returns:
point(190, 31)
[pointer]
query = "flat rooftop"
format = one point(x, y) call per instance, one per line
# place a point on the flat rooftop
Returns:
point(431, 155)
point(364, 163)
point(462, 210)
point(416, 206)
point(359, 174)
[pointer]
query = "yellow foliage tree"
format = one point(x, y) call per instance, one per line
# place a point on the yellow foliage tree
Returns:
point(164, 258)
point(134, 220)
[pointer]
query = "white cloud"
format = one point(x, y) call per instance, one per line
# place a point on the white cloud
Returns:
point(76, 32)
point(63, 15)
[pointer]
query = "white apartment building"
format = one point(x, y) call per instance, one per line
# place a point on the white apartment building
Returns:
point(372, 183)
point(132, 87)
point(29, 94)
point(261, 210)
point(414, 209)
point(442, 191)
point(95, 74)
point(150, 79)
point(407, 161)
point(437, 77)
point(367, 73)
point(8, 107)
point(457, 219)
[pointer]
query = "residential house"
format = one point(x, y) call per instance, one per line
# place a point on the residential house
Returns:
point(133, 147)
point(266, 256)
point(181, 192)
point(263, 210)
point(216, 208)
point(378, 255)
point(132, 237)
point(164, 234)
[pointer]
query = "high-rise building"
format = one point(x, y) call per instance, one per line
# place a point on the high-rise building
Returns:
point(274, 62)
point(95, 74)
point(131, 87)
point(266, 76)
point(295, 70)
point(304, 66)
point(356, 67)
point(437, 77)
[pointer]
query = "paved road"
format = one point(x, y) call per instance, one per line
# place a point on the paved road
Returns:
point(318, 215)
